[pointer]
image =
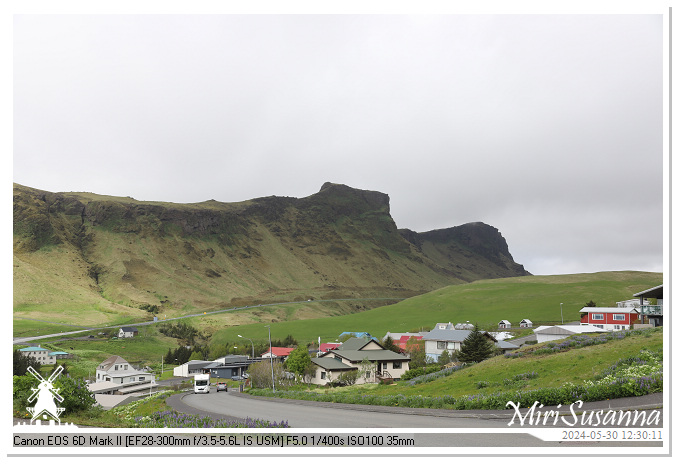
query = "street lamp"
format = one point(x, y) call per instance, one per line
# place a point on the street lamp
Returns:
point(273, 383)
point(253, 346)
point(561, 313)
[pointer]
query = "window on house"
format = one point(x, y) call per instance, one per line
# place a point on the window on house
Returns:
point(142, 378)
point(601, 326)
point(618, 317)
point(440, 345)
point(597, 317)
point(322, 375)
point(116, 367)
point(397, 364)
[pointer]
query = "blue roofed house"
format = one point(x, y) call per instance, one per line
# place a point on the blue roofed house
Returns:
point(43, 355)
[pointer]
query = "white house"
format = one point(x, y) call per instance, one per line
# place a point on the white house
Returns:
point(127, 332)
point(504, 324)
point(115, 369)
point(42, 355)
point(445, 337)
point(526, 323)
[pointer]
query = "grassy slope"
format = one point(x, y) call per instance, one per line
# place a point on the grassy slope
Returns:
point(340, 242)
point(486, 302)
point(575, 365)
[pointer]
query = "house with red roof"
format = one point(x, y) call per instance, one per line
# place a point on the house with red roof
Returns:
point(277, 353)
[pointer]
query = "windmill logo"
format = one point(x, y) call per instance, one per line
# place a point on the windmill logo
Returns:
point(46, 395)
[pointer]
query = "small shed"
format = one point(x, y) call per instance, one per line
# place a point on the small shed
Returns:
point(526, 323)
point(504, 324)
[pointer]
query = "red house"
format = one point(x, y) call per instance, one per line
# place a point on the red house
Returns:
point(620, 318)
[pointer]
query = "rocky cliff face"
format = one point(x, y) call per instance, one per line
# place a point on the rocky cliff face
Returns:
point(340, 241)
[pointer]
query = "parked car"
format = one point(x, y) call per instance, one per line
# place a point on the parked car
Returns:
point(221, 386)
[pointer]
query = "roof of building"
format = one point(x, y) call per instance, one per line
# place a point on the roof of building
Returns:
point(655, 292)
point(197, 364)
point(279, 351)
point(617, 309)
point(505, 345)
point(505, 321)
point(355, 344)
point(567, 329)
point(447, 335)
point(55, 353)
point(371, 355)
point(128, 373)
point(329, 346)
point(106, 385)
point(129, 329)
point(111, 401)
point(33, 348)
point(108, 363)
point(330, 363)
point(353, 351)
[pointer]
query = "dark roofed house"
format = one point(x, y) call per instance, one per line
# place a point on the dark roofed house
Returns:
point(127, 332)
point(651, 314)
point(350, 356)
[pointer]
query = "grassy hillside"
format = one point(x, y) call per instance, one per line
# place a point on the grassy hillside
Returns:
point(484, 302)
point(94, 260)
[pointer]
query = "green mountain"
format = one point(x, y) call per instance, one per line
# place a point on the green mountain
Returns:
point(97, 259)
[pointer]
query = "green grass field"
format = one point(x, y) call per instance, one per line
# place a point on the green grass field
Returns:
point(485, 302)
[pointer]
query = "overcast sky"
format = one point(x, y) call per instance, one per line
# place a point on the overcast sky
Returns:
point(549, 128)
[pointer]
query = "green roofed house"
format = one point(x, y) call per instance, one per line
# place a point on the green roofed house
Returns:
point(350, 356)
point(42, 355)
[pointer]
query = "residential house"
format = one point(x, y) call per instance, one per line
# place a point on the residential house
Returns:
point(504, 324)
point(277, 353)
point(194, 367)
point(42, 355)
point(445, 337)
point(127, 332)
point(402, 342)
point(119, 383)
point(548, 333)
point(351, 355)
point(226, 367)
point(115, 369)
point(525, 323)
point(325, 347)
point(651, 314)
point(232, 367)
point(618, 318)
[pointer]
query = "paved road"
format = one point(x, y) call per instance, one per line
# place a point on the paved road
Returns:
point(305, 414)
point(22, 340)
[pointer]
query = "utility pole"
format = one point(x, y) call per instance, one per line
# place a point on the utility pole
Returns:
point(273, 382)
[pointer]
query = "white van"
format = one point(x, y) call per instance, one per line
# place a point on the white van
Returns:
point(201, 383)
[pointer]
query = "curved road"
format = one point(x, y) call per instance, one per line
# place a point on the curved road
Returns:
point(307, 414)
point(21, 340)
